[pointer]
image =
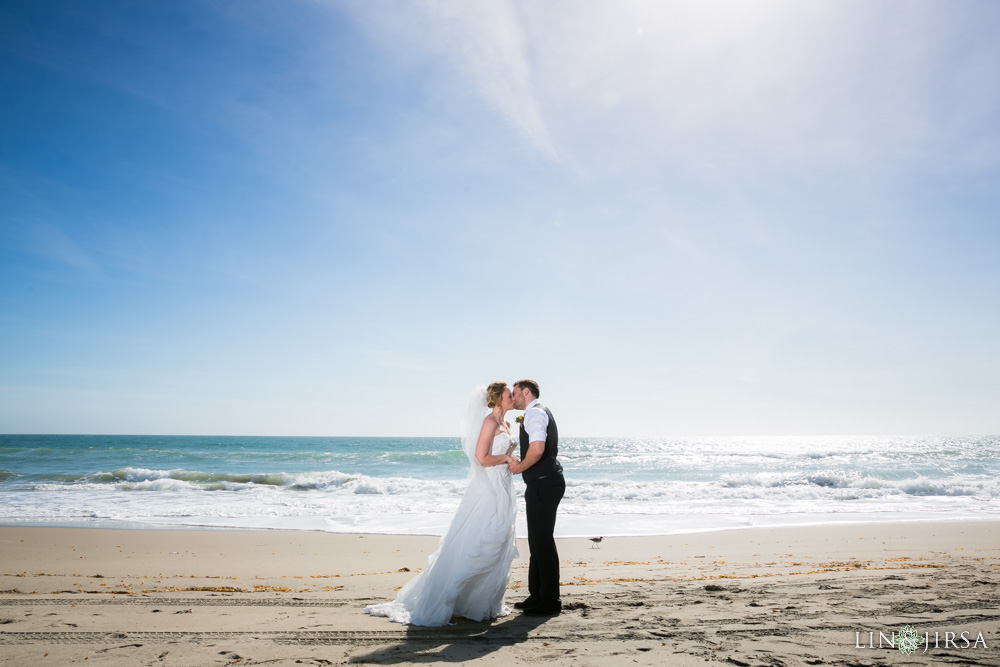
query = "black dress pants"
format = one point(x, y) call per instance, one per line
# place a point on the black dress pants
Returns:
point(541, 500)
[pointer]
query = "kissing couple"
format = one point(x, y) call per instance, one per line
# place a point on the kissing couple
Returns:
point(467, 576)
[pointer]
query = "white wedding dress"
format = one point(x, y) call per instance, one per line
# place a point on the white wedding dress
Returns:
point(467, 575)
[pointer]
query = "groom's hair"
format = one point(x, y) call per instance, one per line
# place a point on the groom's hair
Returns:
point(530, 385)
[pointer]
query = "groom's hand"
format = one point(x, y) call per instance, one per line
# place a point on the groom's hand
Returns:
point(535, 450)
point(515, 466)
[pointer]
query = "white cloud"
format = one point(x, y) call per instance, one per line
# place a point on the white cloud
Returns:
point(712, 86)
point(482, 41)
point(52, 243)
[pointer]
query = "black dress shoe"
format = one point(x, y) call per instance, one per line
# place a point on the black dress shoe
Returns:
point(549, 609)
point(526, 602)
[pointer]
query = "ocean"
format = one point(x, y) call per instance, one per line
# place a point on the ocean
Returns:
point(615, 486)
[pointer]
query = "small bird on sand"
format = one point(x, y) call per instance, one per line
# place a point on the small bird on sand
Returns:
point(597, 542)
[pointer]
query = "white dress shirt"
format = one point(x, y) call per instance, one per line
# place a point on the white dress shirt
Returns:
point(536, 422)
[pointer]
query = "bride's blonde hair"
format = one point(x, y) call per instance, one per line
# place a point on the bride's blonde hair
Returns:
point(494, 393)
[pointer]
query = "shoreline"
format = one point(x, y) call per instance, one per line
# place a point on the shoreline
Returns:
point(735, 523)
point(794, 594)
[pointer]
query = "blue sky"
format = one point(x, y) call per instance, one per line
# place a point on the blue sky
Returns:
point(335, 218)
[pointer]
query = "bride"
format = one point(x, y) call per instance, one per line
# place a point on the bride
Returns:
point(467, 575)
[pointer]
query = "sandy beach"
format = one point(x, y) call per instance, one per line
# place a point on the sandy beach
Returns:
point(792, 596)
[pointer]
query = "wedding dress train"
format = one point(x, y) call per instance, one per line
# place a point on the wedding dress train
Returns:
point(467, 575)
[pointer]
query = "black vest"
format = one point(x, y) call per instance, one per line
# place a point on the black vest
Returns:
point(547, 465)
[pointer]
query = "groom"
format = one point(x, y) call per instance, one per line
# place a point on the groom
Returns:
point(543, 476)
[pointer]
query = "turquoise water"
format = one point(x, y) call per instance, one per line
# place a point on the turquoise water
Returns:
point(411, 485)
